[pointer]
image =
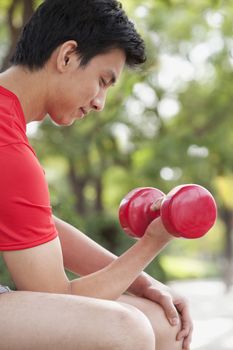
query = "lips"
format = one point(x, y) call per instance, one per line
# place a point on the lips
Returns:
point(83, 112)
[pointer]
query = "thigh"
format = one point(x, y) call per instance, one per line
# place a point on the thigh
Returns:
point(43, 321)
point(165, 334)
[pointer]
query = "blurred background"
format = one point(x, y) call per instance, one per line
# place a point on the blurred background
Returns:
point(167, 124)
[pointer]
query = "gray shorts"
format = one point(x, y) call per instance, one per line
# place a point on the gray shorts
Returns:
point(4, 289)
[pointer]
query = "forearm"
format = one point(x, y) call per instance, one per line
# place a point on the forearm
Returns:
point(112, 281)
point(83, 256)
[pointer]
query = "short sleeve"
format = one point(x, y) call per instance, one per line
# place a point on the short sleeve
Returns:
point(25, 211)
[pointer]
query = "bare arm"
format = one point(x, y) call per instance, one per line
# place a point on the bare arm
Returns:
point(41, 268)
point(77, 248)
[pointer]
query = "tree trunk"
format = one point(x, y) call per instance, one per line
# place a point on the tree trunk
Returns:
point(98, 190)
point(14, 31)
point(78, 185)
point(227, 216)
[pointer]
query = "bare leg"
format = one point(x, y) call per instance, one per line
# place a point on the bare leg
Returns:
point(165, 334)
point(43, 321)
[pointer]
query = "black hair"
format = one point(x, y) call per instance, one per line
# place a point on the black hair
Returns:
point(96, 25)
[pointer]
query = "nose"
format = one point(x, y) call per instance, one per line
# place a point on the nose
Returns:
point(98, 102)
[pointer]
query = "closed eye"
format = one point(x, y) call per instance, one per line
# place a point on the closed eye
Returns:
point(106, 84)
point(103, 82)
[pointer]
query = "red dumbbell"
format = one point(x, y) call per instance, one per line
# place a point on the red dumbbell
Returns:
point(187, 211)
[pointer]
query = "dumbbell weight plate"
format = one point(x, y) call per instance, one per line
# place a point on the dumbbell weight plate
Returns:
point(135, 212)
point(188, 211)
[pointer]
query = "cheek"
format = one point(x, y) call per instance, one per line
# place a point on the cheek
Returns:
point(89, 90)
point(67, 102)
point(70, 96)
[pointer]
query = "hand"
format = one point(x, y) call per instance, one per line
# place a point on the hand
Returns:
point(157, 203)
point(157, 232)
point(156, 227)
point(174, 306)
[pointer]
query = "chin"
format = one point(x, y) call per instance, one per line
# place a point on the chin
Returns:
point(62, 121)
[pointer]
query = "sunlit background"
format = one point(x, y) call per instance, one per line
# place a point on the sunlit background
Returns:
point(164, 125)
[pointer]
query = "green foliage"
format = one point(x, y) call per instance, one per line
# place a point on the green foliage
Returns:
point(131, 143)
point(178, 267)
point(142, 140)
point(5, 278)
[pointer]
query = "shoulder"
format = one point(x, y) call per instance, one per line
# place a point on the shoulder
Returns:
point(19, 165)
point(26, 213)
point(12, 121)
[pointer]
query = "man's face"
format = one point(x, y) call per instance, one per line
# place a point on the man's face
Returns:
point(82, 89)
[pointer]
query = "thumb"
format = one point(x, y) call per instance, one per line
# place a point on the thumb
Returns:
point(156, 205)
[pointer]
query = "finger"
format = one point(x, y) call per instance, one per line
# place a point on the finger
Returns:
point(170, 310)
point(187, 325)
point(164, 299)
point(187, 341)
point(187, 328)
point(157, 203)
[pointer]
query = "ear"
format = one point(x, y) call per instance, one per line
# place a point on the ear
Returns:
point(67, 56)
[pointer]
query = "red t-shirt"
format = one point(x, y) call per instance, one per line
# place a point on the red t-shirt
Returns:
point(25, 212)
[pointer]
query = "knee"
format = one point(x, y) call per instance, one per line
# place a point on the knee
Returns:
point(166, 334)
point(136, 329)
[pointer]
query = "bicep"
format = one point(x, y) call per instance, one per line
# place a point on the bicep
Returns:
point(39, 268)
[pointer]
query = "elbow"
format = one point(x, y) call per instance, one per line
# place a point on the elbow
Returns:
point(68, 288)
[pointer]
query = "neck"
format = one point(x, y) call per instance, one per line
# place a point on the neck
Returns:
point(30, 88)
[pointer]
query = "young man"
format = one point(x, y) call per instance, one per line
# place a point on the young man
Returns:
point(68, 55)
